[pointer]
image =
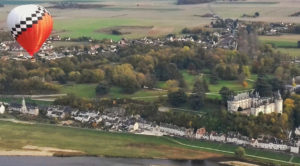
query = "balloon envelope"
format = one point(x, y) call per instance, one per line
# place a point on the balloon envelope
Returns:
point(30, 25)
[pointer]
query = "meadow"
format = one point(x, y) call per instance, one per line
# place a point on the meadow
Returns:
point(92, 142)
point(88, 90)
point(14, 136)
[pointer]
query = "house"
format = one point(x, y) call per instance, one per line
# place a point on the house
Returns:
point(172, 130)
point(58, 112)
point(88, 117)
point(200, 132)
point(294, 149)
point(217, 137)
point(189, 133)
point(2, 109)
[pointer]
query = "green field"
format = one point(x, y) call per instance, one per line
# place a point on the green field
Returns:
point(89, 27)
point(295, 52)
point(286, 44)
point(14, 136)
point(91, 142)
point(88, 90)
point(143, 94)
point(233, 85)
point(80, 90)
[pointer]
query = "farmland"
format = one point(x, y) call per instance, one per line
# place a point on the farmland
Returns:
point(163, 16)
point(286, 43)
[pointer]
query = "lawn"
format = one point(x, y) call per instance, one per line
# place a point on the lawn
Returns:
point(214, 88)
point(93, 142)
point(89, 91)
point(233, 85)
point(80, 90)
point(143, 94)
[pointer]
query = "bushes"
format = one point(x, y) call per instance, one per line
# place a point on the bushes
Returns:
point(240, 152)
point(177, 98)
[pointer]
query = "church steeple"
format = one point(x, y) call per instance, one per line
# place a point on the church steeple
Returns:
point(23, 108)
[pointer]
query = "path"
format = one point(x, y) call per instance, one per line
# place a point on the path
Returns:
point(229, 152)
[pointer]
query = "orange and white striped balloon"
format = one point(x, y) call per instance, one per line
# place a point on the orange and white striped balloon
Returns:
point(30, 25)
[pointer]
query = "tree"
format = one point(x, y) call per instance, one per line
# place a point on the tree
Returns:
point(74, 76)
point(256, 14)
point(167, 71)
point(200, 86)
point(263, 87)
point(125, 77)
point(213, 78)
point(172, 85)
point(197, 100)
point(102, 88)
point(177, 98)
point(150, 80)
point(240, 152)
point(225, 93)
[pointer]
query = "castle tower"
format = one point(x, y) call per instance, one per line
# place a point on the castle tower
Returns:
point(278, 103)
point(294, 82)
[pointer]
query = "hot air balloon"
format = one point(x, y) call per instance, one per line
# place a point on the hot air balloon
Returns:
point(30, 25)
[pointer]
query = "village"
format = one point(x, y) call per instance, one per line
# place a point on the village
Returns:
point(114, 119)
point(225, 38)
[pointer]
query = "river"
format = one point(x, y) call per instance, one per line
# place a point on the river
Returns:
point(97, 161)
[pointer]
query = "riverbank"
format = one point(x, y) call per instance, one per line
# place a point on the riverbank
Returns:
point(49, 140)
point(52, 140)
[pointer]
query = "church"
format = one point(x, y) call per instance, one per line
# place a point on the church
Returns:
point(28, 110)
point(251, 103)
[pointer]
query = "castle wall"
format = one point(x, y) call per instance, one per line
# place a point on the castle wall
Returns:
point(257, 110)
point(255, 105)
point(234, 105)
point(269, 108)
